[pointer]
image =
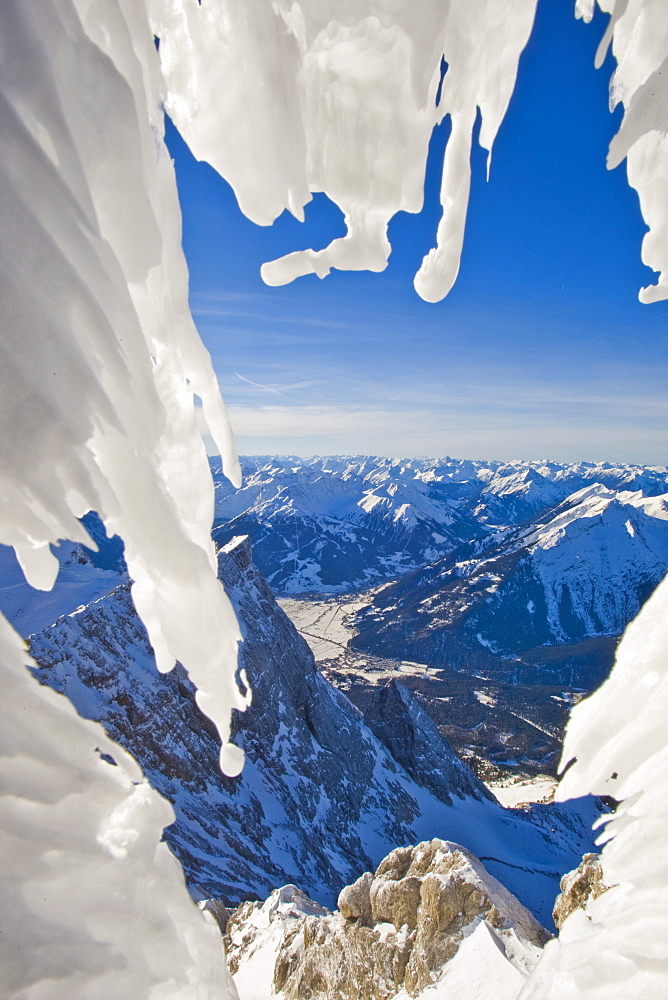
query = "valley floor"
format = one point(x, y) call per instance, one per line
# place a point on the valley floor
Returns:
point(505, 731)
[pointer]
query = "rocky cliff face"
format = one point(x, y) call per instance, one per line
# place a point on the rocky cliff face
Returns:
point(395, 930)
point(398, 720)
point(321, 798)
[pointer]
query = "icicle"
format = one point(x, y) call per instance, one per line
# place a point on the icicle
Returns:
point(319, 95)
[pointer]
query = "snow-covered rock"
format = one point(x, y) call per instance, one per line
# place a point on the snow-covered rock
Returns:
point(397, 929)
point(578, 887)
point(514, 493)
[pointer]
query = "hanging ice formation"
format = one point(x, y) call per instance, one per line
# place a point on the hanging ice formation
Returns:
point(340, 97)
point(101, 363)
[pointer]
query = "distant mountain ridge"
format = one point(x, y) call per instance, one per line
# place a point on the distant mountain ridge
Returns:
point(580, 571)
point(341, 523)
point(527, 571)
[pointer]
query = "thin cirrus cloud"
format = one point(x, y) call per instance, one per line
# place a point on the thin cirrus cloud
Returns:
point(479, 411)
point(257, 308)
point(461, 389)
point(280, 389)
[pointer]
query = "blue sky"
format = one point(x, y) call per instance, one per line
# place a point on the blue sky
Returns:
point(540, 350)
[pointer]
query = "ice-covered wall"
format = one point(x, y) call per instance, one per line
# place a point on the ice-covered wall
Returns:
point(99, 361)
point(94, 907)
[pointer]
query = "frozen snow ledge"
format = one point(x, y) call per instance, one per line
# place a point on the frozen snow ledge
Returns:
point(93, 906)
point(617, 949)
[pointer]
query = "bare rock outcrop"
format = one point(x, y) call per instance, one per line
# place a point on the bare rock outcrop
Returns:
point(396, 928)
point(578, 887)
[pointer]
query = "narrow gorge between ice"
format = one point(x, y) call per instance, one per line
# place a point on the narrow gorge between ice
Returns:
point(101, 370)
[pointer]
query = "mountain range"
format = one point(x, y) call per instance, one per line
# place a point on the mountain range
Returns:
point(503, 590)
point(341, 523)
point(505, 585)
point(540, 603)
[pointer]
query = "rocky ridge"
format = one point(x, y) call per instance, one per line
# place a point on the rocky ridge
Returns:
point(578, 887)
point(397, 719)
point(395, 930)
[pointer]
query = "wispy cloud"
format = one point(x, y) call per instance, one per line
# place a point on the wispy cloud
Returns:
point(260, 309)
point(280, 389)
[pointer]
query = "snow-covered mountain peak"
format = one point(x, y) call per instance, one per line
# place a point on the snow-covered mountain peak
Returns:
point(337, 523)
point(288, 901)
point(652, 506)
point(578, 571)
point(510, 479)
point(597, 507)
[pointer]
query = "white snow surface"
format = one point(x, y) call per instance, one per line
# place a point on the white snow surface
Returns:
point(93, 906)
point(511, 793)
point(618, 737)
point(100, 357)
point(479, 971)
point(78, 584)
